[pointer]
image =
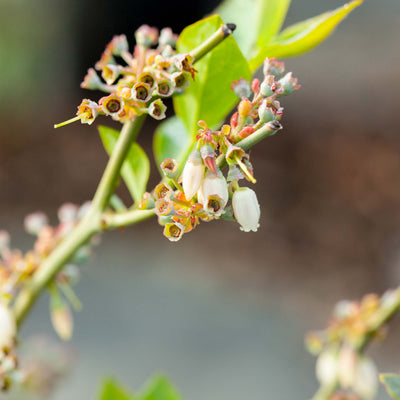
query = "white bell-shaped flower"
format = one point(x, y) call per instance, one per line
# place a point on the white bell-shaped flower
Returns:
point(365, 382)
point(327, 367)
point(193, 174)
point(213, 183)
point(8, 327)
point(246, 209)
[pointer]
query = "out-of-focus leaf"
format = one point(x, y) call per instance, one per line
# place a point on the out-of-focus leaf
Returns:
point(303, 36)
point(210, 97)
point(257, 21)
point(159, 388)
point(61, 315)
point(112, 390)
point(171, 140)
point(392, 384)
point(136, 168)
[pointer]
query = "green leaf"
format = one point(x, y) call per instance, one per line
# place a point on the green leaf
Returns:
point(392, 384)
point(210, 97)
point(159, 388)
point(136, 168)
point(257, 21)
point(111, 390)
point(303, 36)
point(171, 140)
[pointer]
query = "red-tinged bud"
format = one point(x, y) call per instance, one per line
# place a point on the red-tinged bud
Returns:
point(288, 84)
point(110, 73)
point(165, 88)
point(106, 59)
point(245, 107)
point(241, 88)
point(255, 85)
point(234, 120)
point(245, 132)
point(118, 45)
point(147, 202)
point(208, 155)
point(162, 190)
point(181, 81)
point(141, 92)
point(246, 209)
point(167, 37)
point(173, 231)
point(273, 67)
point(269, 111)
point(214, 205)
point(146, 36)
point(157, 109)
point(268, 86)
point(210, 163)
point(34, 222)
point(111, 105)
point(92, 81)
point(147, 77)
point(163, 206)
point(170, 168)
point(193, 174)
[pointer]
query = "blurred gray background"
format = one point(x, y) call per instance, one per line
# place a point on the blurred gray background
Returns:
point(223, 313)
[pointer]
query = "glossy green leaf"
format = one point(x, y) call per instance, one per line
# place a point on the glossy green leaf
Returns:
point(111, 390)
point(392, 384)
point(171, 140)
point(303, 36)
point(257, 21)
point(210, 97)
point(136, 168)
point(159, 388)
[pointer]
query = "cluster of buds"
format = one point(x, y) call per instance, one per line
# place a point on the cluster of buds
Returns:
point(338, 346)
point(202, 192)
point(16, 268)
point(152, 72)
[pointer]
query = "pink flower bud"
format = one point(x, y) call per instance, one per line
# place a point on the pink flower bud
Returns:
point(214, 183)
point(273, 67)
point(241, 88)
point(192, 175)
point(246, 209)
point(8, 327)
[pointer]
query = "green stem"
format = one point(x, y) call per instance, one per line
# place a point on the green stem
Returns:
point(109, 179)
point(214, 40)
point(117, 220)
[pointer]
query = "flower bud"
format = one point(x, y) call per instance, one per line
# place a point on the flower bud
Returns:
point(246, 209)
point(146, 36)
point(269, 110)
point(34, 222)
point(8, 327)
point(288, 84)
point(141, 92)
point(366, 379)
point(273, 67)
point(213, 183)
point(110, 73)
point(118, 45)
point(268, 86)
point(327, 367)
point(68, 212)
point(193, 174)
point(167, 37)
point(164, 88)
point(157, 109)
point(347, 363)
point(244, 107)
point(173, 231)
point(241, 88)
point(92, 81)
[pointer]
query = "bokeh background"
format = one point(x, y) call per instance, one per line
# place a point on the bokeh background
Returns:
point(223, 313)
